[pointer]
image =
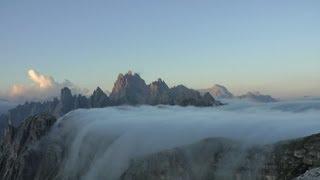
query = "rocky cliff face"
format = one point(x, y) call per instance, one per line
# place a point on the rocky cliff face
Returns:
point(20, 155)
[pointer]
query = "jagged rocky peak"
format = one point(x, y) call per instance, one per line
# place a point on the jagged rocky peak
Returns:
point(158, 86)
point(218, 91)
point(129, 89)
point(99, 98)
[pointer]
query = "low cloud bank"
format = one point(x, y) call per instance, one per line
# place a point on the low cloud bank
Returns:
point(101, 142)
point(42, 87)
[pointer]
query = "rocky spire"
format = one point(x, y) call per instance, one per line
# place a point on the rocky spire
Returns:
point(67, 100)
point(99, 99)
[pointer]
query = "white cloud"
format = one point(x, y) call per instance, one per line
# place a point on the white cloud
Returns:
point(43, 87)
point(41, 80)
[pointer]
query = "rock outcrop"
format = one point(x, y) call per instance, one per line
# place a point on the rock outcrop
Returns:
point(20, 155)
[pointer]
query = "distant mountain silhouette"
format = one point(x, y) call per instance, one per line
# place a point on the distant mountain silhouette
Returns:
point(218, 91)
point(129, 89)
point(257, 97)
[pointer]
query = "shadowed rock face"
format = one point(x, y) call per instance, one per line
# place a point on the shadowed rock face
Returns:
point(20, 157)
point(183, 96)
point(129, 89)
point(159, 93)
point(218, 158)
point(67, 100)
point(99, 99)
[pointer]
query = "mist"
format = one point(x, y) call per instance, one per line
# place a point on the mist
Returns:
point(101, 142)
point(5, 106)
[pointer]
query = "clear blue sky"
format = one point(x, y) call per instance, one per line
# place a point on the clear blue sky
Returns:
point(267, 45)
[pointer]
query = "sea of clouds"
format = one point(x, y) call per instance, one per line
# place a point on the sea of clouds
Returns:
point(101, 142)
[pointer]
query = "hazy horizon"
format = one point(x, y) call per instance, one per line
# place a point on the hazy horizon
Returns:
point(266, 46)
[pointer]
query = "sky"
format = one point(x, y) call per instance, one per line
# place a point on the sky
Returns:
point(251, 45)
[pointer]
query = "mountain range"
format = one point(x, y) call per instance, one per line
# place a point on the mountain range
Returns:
point(129, 89)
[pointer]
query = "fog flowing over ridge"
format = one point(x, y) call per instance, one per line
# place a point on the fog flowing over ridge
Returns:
point(101, 142)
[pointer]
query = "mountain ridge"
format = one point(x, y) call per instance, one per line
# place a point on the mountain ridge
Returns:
point(129, 89)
